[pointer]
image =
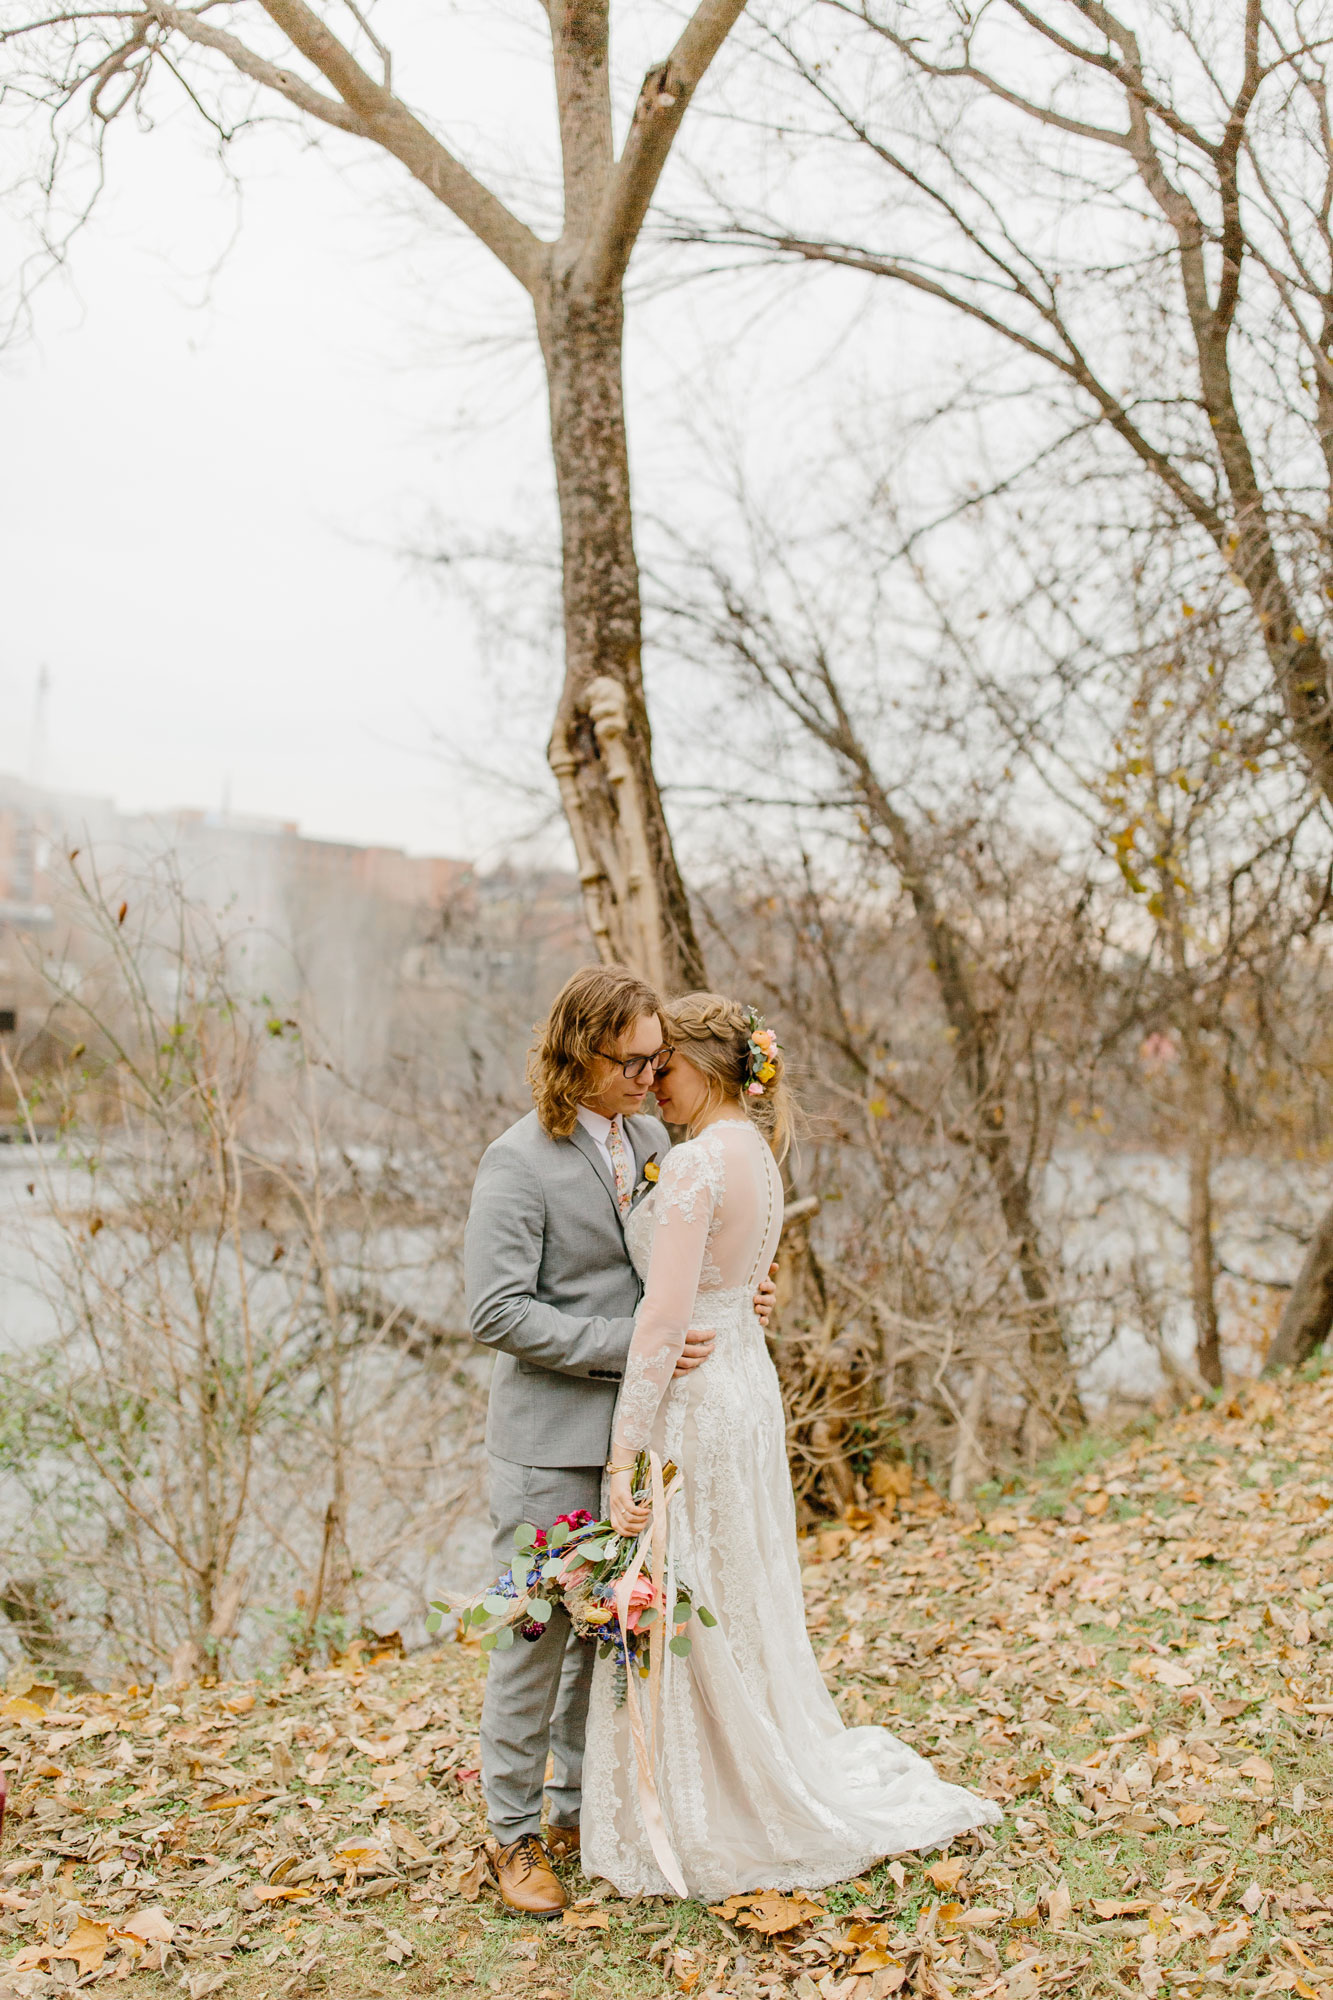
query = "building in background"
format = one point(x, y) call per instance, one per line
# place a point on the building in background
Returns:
point(381, 952)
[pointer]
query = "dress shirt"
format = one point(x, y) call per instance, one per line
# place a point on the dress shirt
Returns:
point(598, 1129)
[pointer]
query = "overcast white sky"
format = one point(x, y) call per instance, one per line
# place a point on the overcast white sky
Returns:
point(212, 472)
point(208, 482)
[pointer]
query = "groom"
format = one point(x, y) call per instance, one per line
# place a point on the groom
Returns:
point(550, 1285)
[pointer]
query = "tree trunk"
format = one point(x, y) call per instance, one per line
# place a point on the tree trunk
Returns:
point(1199, 1108)
point(1307, 1318)
point(1203, 1261)
point(601, 746)
point(1048, 1347)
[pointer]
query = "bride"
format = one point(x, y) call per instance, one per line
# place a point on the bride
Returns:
point(759, 1784)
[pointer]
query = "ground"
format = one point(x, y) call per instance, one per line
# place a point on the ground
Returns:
point(1129, 1651)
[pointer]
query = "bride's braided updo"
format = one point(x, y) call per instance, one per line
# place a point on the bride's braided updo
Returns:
point(714, 1034)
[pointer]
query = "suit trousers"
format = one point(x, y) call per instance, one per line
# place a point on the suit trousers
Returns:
point(536, 1700)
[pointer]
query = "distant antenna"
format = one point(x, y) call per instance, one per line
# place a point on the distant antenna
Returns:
point(37, 745)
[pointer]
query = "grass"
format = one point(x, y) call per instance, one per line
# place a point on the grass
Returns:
point(1128, 1650)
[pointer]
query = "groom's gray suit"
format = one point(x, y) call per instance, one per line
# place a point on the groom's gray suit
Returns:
point(550, 1284)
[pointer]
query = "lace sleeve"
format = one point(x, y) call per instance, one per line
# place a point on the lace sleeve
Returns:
point(684, 1205)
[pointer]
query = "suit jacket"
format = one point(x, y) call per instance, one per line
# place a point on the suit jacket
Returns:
point(550, 1284)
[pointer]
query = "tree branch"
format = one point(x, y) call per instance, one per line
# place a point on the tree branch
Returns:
point(663, 100)
point(385, 118)
point(184, 21)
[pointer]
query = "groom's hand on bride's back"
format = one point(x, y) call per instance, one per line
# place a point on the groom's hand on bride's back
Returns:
point(765, 1298)
point(698, 1346)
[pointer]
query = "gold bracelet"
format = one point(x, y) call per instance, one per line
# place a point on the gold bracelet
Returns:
point(618, 1468)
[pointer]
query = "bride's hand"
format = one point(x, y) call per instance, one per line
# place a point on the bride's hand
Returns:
point(628, 1516)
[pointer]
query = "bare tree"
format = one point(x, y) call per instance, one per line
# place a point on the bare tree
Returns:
point(1133, 212)
point(237, 1421)
point(795, 665)
point(103, 62)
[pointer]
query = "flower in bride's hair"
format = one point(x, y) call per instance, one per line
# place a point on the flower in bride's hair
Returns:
point(755, 1090)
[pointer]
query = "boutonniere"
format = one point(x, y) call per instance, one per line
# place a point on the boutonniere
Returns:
point(650, 1171)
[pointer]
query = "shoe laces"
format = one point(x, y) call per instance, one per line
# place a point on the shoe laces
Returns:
point(530, 1851)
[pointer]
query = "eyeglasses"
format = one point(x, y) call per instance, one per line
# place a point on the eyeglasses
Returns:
point(634, 1067)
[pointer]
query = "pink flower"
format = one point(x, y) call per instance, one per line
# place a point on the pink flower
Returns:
point(570, 1579)
point(756, 1090)
point(640, 1597)
point(578, 1519)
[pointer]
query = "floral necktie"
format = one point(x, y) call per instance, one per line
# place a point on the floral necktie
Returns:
point(621, 1166)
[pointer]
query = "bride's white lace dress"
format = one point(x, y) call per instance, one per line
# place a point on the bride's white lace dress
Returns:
point(760, 1784)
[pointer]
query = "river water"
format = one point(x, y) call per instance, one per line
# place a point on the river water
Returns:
point(1117, 1216)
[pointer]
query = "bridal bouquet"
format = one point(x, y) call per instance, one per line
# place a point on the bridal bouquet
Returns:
point(578, 1562)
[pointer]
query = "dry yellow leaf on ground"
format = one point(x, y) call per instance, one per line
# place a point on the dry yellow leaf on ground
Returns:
point(86, 1945)
point(771, 1914)
point(586, 1920)
point(947, 1874)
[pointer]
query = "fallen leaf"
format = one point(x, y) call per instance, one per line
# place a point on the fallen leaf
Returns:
point(86, 1945)
point(468, 1884)
point(1223, 1943)
point(1257, 1768)
point(228, 1801)
point(381, 1752)
point(769, 1912)
point(30, 1958)
point(947, 1874)
point(1059, 1906)
point(585, 1920)
point(22, 1710)
point(153, 1925)
point(407, 1841)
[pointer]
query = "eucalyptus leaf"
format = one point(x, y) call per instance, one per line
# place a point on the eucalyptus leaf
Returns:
point(558, 1536)
point(539, 1610)
point(524, 1536)
point(494, 1605)
point(705, 1615)
point(489, 1639)
point(434, 1621)
point(681, 1646)
point(504, 1639)
point(647, 1618)
point(682, 1611)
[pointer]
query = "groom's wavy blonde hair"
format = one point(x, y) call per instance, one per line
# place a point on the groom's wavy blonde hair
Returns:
point(589, 1014)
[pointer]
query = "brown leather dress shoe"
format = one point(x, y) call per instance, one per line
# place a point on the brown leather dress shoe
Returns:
point(562, 1843)
point(527, 1881)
